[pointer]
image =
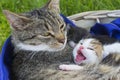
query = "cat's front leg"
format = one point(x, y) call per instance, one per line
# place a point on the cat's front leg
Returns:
point(70, 67)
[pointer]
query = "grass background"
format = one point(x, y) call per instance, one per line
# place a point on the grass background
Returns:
point(68, 7)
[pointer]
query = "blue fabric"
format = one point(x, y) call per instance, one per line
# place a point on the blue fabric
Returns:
point(111, 29)
point(6, 60)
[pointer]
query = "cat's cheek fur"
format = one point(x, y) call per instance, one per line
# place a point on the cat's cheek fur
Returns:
point(31, 47)
point(41, 47)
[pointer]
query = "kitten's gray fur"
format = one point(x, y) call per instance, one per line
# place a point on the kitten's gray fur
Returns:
point(44, 64)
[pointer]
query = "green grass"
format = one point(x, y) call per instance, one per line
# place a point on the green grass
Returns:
point(68, 7)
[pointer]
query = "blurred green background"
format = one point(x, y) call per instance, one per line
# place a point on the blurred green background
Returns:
point(68, 7)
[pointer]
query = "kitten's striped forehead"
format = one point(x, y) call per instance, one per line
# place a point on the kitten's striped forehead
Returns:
point(90, 41)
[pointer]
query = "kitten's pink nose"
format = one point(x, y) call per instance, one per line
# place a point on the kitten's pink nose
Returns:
point(81, 47)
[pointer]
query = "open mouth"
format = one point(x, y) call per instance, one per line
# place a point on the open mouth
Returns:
point(80, 57)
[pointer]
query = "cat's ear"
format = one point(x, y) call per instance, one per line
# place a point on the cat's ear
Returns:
point(53, 5)
point(16, 21)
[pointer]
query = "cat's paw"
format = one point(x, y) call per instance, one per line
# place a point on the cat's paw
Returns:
point(66, 67)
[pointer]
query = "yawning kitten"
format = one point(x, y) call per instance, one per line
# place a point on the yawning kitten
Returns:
point(96, 57)
point(93, 50)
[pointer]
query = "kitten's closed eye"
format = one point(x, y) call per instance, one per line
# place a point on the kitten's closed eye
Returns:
point(90, 48)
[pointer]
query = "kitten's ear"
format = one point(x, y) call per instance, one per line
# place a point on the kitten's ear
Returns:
point(53, 5)
point(16, 21)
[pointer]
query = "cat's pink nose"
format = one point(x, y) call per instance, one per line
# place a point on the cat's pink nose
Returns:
point(81, 47)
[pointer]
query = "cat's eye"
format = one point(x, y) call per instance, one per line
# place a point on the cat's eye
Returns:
point(46, 34)
point(43, 35)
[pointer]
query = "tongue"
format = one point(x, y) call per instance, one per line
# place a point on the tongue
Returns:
point(79, 58)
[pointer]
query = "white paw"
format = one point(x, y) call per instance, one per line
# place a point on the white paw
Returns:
point(65, 67)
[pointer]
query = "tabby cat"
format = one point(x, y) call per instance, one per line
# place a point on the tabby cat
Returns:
point(39, 38)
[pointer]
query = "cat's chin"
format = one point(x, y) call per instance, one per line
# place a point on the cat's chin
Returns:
point(41, 47)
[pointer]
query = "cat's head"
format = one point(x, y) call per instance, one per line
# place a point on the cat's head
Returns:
point(88, 51)
point(38, 30)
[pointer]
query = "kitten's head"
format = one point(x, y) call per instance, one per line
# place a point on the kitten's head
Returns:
point(39, 30)
point(88, 51)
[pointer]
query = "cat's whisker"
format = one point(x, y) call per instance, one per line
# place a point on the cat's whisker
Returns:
point(29, 56)
point(33, 54)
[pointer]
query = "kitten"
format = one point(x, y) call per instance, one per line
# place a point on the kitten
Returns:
point(92, 50)
point(99, 53)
